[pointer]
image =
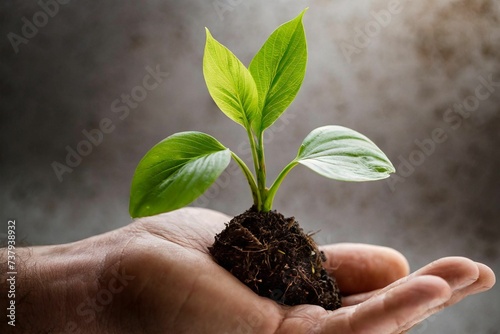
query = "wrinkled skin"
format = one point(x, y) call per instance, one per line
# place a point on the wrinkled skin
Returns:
point(170, 284)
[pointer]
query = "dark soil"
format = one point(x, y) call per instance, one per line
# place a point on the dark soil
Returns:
point(273, 256)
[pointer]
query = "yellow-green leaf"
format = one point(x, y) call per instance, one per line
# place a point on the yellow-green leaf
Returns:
point(229, 83)
point(279, 69)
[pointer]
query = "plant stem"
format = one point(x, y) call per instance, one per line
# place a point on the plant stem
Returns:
point(268, 203)
point(261, 172)
point(259, 166)
point(255, 157)
point(250, 178)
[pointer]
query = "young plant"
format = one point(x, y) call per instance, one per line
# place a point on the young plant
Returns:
point(182, 167)
point(267, 252)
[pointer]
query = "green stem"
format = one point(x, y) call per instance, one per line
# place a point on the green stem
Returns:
point(268, 203)
point(261, 172)
point(250, 178)
point(255, 157)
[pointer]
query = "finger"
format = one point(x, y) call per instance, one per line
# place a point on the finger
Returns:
point(458, 272)
point(358, 298)
point(361, 268)
point(485, 281)
point(463, 275)
point(391, 311)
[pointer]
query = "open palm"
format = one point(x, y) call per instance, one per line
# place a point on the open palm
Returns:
point(178, 288)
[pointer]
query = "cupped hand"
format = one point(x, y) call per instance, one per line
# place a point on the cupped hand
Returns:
point(176, 287)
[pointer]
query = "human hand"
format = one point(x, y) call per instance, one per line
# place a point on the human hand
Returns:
point(156, 276)
point(184, 291)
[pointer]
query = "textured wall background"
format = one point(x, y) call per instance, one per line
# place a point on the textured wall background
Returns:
point(389, 69)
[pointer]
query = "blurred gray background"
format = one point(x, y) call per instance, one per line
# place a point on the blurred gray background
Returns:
point(397, 71)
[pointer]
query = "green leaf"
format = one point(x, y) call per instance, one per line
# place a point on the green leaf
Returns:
point(279, 69)
point(175, 172)
point(229, 83)
point(343, 154)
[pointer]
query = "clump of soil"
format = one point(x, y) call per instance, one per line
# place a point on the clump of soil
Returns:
point(273, 256)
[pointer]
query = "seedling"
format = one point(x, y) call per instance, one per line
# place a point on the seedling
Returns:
point(182, 167)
